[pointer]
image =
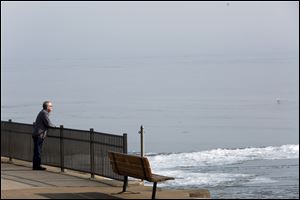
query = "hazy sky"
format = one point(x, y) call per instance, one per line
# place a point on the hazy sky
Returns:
point(97, 29)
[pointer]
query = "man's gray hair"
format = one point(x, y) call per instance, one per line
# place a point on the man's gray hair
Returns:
point(45, 104)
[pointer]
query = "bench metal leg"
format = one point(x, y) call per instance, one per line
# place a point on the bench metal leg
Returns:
point(154, 190)
point(125, 183)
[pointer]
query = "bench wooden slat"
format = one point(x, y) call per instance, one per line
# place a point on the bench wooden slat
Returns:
point(160, 178)
point(130, 158)
point(130, 172)
point(135, 166)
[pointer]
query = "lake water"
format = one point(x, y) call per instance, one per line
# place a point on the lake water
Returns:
point(268, 172)
point(190, 106)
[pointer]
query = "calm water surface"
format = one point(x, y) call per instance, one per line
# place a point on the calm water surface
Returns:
point(189, 105)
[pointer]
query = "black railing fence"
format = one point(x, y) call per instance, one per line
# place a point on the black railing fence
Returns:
point(84, 151)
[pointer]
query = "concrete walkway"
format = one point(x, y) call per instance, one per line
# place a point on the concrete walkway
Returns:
point(18, 181)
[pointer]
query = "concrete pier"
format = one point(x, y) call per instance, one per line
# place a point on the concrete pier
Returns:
point(18, 181)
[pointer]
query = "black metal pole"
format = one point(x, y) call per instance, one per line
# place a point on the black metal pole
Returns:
point(92, 153)
point(62, 154)
point(124, 142)
point(142, 140)
point(154, 190)
point(125, 183)
point(10, 142)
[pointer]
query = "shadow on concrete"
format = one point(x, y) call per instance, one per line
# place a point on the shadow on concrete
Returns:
point(83, 195)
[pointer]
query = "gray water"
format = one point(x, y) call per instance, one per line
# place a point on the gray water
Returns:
point(281, 180)
point(186, 104)
point(266, 172)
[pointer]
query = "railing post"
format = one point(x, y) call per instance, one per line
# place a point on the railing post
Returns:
point(10, 142)
point(142, 145)
point(125, 143)
point(142, 140)
point(125, 183)
point(92, 158)
point(62, 152)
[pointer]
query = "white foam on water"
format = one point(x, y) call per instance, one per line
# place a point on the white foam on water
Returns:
point(186, 179)
point(223, 156)
point(259, 180)
point(186, 167)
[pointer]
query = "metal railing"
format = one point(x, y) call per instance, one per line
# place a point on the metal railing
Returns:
point(84, 151)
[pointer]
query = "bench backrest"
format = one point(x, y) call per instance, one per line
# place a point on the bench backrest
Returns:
point(130, 165)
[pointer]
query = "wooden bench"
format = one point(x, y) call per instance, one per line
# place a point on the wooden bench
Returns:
point(135, 166)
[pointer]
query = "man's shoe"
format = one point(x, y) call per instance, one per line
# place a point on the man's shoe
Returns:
point(39, 168)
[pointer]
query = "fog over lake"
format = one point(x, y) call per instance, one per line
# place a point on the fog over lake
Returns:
point(197, 75)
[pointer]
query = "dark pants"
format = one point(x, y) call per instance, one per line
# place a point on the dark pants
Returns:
point(37, 150)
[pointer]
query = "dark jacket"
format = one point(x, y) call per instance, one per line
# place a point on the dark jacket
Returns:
point(41, 125)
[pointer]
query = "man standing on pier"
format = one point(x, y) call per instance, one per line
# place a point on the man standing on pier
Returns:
point(40, 128)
